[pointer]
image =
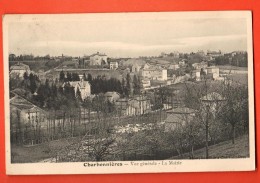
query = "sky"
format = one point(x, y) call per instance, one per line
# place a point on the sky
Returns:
point(125, 35)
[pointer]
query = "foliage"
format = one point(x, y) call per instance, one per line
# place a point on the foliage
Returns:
point(239, 59)
point(234, 111)
point(103, 85)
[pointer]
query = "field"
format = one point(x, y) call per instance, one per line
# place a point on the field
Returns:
point(230, 67)
point(223, 150)
point(239, 78)
point(30, 154)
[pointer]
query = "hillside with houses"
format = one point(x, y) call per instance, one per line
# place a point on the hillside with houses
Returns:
point(104, 108)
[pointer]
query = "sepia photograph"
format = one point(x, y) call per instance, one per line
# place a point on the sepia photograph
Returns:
point(129, 92)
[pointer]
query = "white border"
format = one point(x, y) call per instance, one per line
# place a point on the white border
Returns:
point(202, 165)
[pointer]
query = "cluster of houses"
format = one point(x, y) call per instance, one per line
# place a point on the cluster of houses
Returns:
point(211, 72)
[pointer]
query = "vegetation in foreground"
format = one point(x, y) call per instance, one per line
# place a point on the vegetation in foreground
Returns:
point(223, 150)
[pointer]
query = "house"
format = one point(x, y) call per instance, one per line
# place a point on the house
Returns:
point(145, 83)
point(178, 117)
point(136, 106)
point(142, 105)
point(174, 66)
point(98, 59)
point(213, 72)
point(201, 65)
point(82, 86)
point(113, 65)
point(124, 108)
point(19, 69)
point(213, 101)
point(154, 72)
point(112, 96)
point(196, 75)
point(26, 119)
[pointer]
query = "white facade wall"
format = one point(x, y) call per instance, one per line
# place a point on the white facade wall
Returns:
point(154, 74)
point(113, 65)
point(214, 71)
point(84, 91)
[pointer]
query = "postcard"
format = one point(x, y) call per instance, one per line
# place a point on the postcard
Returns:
point(101, 93)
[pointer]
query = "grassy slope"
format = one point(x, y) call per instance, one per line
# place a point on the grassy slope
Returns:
point(22, 154)
point(223, 150)
point(240, 78)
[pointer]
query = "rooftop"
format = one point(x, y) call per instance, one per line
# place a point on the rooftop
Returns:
point(23, 104)
point(20, 66)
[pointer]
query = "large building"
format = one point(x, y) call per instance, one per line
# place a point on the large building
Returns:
point(26, 120)
point(154, 72)
point(201, 65)
point(19, 69)
point(213, 72)
point(82, 86)
point(98, 59)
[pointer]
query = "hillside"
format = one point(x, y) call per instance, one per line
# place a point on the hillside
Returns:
point(223, 150)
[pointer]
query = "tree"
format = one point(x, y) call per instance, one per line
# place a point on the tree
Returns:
point(69, 76)
point(206, 110)
point(75, 77)
point(62, 76)
point(202, 73)
point(233, 111)
point(14, 82)
point(25, 76)
point(123, 85)
point(78, 95)
point(33, 85)
point(89, 78)
point(128, 85)
point(136, 85)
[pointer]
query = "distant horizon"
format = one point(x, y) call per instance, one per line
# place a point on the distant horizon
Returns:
point(66, 55)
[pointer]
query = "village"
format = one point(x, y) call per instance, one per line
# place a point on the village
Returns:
point(100, 101)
